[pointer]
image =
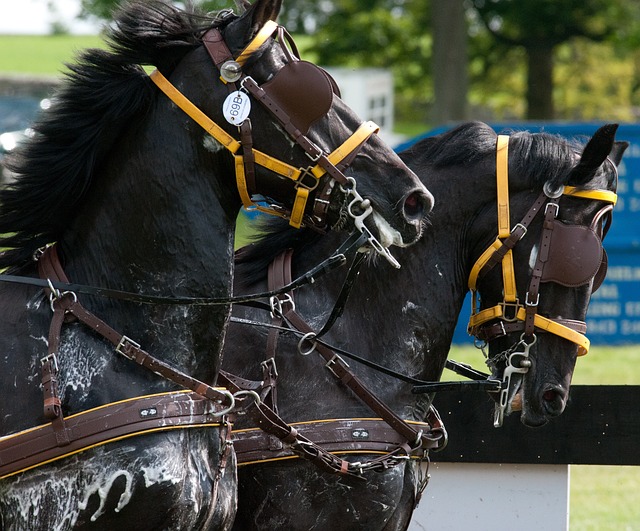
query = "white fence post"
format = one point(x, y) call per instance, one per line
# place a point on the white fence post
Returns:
point(488, 496)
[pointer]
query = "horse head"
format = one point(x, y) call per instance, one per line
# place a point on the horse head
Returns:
point(263, 106)
point(531, 310)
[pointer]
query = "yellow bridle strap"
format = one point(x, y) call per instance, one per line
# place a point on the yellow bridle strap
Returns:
point(598, 195)
point(504, 224)
point(360, 135)
point(480, 263)
point(192, 111)
point(241, 181)
point(260, 38)
point(299, 204)
point(540, 322)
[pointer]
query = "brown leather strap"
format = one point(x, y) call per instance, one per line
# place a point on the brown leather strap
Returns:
point(30, 448)
point(342, 373)
point(502, 328)
point(533, 291)
point(124, 346)
point(516, 235)
point(218, 51)
point(248, 157)
point(342, 436)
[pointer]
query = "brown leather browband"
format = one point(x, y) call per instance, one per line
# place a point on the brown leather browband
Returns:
point(202, 407)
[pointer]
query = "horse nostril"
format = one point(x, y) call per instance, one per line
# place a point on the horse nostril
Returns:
point(416, 205)
point(553, 401)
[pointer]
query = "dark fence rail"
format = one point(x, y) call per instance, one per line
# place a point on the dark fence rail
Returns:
point(600, 426)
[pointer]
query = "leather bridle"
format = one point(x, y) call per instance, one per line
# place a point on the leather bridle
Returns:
point(274, 97)
point(512, 316)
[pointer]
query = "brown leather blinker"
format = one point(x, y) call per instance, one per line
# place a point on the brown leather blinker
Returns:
point(575, 255)
point(304, 91)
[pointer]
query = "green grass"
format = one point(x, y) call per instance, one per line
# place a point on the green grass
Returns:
point(603, 498)
point(42, 55)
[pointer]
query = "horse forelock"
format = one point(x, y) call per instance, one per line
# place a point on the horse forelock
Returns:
point(102, 94)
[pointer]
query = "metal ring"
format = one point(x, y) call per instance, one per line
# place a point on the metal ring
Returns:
point(307, 337)
point(253, 394)
point(227, 410)
point(523, 335)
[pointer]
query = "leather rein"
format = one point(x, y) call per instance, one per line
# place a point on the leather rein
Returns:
point(321, 441)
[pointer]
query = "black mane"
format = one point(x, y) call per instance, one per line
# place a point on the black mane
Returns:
point(103, 93)
point(537, 157)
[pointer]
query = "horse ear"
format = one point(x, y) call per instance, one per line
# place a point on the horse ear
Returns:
point(241, 31)
point(618, 150)
point(259, 13)
point(595, 153)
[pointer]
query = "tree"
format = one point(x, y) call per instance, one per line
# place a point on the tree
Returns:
point(539, 26)
point(450, 61)
point(390, 34)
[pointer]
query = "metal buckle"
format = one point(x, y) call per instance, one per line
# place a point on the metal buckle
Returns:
point(304, 173)
point(529, 303)
point(332, 361)
point(276, 303)
point(123, 342)
point(524, 229)
point(270, 365)
point(50, 357)
point(557, 207)
point(515, 306)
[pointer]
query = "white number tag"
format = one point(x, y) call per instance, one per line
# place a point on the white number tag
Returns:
point(236, 107)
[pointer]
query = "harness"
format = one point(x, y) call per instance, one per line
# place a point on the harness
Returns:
point(299, 94)
point(387, 435)
point(204, 406)
point(586, 262)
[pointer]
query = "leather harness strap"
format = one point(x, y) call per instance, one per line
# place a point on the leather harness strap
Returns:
point(393, 435)
point(95, 427)
point(338, 436)
point(202, 407)
point(49, 266)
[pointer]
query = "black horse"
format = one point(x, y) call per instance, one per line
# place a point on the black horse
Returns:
point(404, 319)
point(136, 185)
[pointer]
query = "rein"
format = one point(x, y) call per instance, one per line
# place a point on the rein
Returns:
point(337, 259)
point(416, 438)
point(305, 179)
